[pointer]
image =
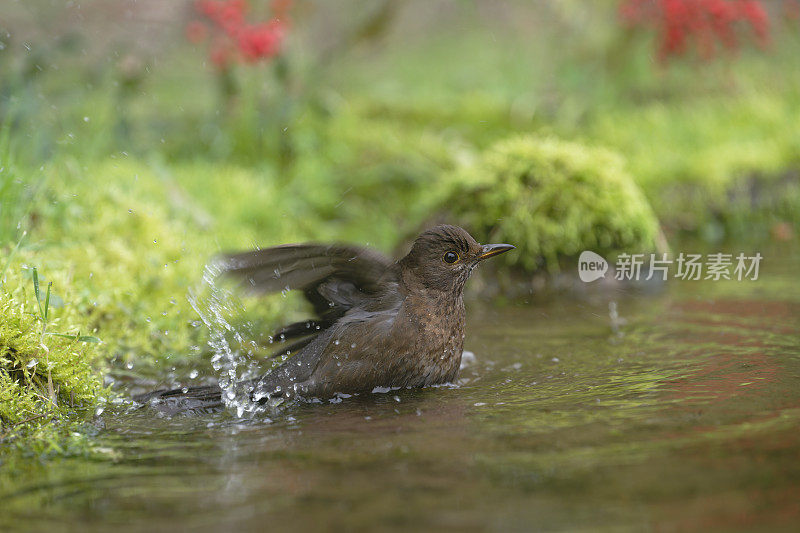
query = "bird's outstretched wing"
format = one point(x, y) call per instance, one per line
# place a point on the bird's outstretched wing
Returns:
point(333, 278)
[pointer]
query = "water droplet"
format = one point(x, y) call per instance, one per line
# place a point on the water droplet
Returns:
point(86, 119)
point(193, 374)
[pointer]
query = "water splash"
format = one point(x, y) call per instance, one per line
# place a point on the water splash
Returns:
point(616, 321)
point(230, 339)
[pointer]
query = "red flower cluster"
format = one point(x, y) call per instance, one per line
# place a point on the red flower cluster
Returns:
point(232, 37)
point(703, 23)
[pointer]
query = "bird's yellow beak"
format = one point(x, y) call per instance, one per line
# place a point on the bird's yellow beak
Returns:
point(490, 250)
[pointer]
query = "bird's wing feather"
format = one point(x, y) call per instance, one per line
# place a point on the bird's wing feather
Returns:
point(333, 278)
point(306, 266)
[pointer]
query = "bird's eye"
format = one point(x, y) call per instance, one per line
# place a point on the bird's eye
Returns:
point(450, 257)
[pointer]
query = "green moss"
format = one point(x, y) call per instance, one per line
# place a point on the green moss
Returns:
point(136, 237)
point(552, 199)
point(44, 375)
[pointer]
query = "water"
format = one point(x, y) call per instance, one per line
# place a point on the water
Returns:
point(230, 340)
point(675, 408)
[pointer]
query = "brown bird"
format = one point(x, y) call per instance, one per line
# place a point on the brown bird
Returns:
point(378, 324)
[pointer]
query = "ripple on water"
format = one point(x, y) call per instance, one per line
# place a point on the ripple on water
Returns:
point(681, 414)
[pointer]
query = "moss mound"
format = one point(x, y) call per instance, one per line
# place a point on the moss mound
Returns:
point(552, 199)
point(48, 368)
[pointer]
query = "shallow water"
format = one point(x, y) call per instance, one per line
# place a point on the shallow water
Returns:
point(681, 413)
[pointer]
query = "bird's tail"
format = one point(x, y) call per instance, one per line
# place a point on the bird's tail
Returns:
point(198, 399)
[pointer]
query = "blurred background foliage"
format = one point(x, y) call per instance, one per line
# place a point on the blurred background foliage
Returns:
point(138, 138)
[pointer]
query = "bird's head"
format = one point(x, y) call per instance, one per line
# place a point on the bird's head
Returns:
point(442, 258)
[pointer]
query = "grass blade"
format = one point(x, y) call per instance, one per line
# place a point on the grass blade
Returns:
point(11, 258)
point(36, 292)
point(78, 337)
point(47, 302)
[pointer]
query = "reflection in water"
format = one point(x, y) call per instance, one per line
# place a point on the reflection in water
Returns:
point(682, 416)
